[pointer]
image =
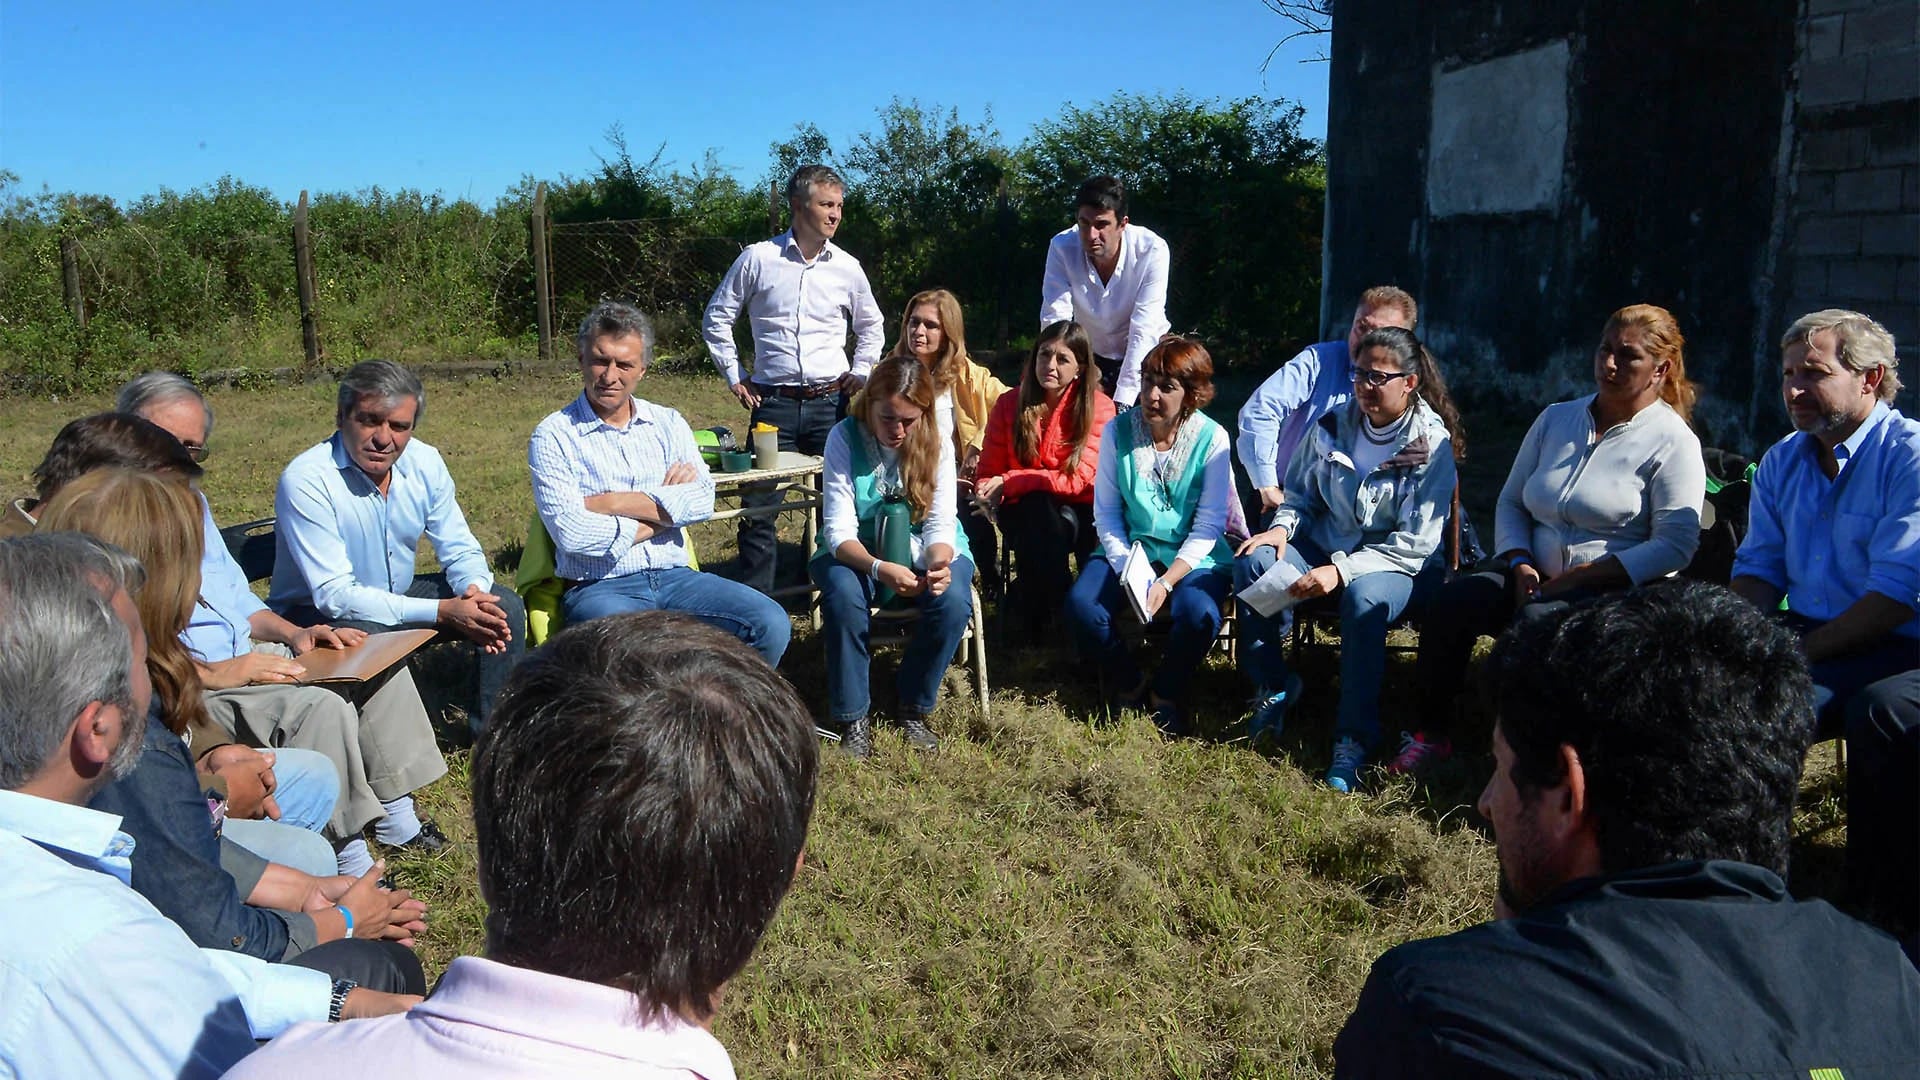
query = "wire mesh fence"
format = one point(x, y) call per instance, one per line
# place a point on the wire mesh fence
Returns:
point(649, 263)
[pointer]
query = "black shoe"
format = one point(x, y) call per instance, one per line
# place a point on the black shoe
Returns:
point(1167, 718)
point(857, 741)
point(428, 841)
point(919, 735)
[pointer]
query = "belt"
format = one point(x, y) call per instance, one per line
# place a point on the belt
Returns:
point(804, 392)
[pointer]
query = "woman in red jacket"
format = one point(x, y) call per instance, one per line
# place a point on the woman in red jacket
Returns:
point(1036, 468)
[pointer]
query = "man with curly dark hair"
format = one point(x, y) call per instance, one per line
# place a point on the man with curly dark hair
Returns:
point(1648, 748)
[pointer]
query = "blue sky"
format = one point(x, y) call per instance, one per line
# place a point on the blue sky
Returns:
point(123, 99)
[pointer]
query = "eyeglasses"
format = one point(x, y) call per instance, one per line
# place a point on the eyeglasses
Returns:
point(196, 451)
point(1377, 379)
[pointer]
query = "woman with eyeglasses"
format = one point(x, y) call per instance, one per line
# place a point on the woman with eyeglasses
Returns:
point(1367, 497)
point(1604, 493)
point(889, 535)
point(1037, 466)
point(1164, 481)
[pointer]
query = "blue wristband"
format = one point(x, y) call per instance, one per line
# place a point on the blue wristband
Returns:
point(346, 914)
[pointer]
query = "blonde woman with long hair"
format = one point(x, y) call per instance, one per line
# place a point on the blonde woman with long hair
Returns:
point(888, 471)
point(933, 331)
point(222, 900)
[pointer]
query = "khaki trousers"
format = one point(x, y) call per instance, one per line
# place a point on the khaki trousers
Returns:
point(383, 750)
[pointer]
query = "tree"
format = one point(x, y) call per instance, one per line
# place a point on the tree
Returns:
point(1308, 18)
point(1235, 189)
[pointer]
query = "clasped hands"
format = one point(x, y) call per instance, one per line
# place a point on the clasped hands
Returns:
point(906, 581)
point(249, 778)
point(477, 616)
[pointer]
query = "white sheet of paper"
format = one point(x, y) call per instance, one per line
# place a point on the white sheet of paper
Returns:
point(1268, 595)
point(1136, 577)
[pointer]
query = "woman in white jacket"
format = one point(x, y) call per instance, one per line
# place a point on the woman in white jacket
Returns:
point(1367, 495)
point(1604, 493)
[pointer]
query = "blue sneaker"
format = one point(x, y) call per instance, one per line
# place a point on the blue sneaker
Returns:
point(1270, 709)
point(1344, 775)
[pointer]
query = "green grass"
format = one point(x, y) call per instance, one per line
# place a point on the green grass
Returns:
point(1044, 897)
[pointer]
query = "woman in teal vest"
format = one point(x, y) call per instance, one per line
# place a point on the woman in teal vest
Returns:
point(1164, 482)
point(889, 536)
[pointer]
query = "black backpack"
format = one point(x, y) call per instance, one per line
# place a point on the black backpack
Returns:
point(1723, 515)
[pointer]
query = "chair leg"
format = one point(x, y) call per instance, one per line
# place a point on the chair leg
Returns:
point(978, 632)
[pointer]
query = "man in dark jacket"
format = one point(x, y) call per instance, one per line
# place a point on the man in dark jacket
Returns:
point(1648, 750)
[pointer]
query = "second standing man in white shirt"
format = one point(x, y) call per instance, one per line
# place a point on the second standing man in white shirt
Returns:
point(1110, 277)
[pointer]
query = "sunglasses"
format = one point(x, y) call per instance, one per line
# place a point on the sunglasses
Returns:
point(1377, 379)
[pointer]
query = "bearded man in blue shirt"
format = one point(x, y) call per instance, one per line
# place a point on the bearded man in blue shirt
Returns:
point(1834, 524)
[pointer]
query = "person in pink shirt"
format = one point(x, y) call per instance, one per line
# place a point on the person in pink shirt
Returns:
point(641, 799)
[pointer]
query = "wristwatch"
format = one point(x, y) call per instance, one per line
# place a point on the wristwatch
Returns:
point(341, 988)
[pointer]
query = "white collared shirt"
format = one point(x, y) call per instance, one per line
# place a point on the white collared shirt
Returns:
point(1125, 315)
point(800, 311)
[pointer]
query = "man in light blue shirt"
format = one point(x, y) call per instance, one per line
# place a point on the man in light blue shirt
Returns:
point(616, 480)
point(1314, 383)
point(1834, 522)
point(246, 654)
point(351, 512)
point(95, 982)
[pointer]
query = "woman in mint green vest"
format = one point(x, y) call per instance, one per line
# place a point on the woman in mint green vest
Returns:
point(889, 536)
point(1164, 482)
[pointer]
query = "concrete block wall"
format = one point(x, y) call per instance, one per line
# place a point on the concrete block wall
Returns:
point(1854, 208)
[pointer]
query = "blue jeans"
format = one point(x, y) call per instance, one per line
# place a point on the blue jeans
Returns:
point(1846, 676)
point(745, 613)
point(804, 426)
point(846, 596)
point(307, 786)
point(1095, 602)
point(1368, 606)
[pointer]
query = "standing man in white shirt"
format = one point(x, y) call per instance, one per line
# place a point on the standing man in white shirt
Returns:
point(1110, 277)
point(801, 294)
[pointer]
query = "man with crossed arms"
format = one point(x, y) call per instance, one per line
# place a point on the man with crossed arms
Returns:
point(616, 479)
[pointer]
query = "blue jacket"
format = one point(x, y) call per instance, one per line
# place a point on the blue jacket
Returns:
point(1688, 969)
point(178, 863)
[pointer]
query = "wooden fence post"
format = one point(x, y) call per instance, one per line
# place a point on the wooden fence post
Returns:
point(303, 278)
point(542, 273)
point(70, 279)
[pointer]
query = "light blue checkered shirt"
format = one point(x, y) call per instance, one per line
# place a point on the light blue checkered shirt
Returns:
point(574, 454)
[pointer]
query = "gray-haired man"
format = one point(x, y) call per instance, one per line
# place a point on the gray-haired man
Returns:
point(351, 514)
point(245, 654)
point(617, 479)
